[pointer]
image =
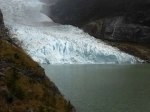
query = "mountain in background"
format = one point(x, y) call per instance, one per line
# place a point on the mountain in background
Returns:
point(125, 21)
point(79, 12)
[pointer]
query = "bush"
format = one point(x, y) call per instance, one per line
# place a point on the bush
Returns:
point(13, 86)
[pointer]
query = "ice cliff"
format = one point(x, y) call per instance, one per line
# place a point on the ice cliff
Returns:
point(51, 43)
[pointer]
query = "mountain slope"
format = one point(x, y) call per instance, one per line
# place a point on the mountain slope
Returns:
point(79, 12)
point(121, 21)
point(51, 43)
point(24, 86)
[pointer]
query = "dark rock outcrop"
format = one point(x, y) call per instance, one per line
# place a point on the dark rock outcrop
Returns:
point(4, 33)
point(124, 24)
point(119, 20)
point(117, 29)
point(1, 18)
point(79, 12)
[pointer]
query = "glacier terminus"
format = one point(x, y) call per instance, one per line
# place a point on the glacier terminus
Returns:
point(51, 43)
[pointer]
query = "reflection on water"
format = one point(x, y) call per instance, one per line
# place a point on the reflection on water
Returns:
point(103, 88)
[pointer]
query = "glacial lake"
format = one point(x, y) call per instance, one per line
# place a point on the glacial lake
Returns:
point(103, 88)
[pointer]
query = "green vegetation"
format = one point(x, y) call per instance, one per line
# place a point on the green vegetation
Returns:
point(25, 86)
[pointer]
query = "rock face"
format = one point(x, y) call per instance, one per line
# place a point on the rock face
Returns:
point(4, 33)
point(80, 11)
point(1, 18)
point(117, 29)
point(119, 20)
point(124, 24)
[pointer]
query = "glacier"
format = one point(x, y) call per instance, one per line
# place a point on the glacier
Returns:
point(51, 43)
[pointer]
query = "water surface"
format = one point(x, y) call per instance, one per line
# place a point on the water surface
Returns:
point(103, 88)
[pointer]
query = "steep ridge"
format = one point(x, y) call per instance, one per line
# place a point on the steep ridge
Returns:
point(24, 86)
point(48, 42)
point(79, 12)
point(126, 23)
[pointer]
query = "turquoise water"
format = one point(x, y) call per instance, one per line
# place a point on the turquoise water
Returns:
point(103, 88)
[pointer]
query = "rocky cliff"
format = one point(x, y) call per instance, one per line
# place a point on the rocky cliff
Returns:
point(125, 21)
point(24, 86)
point(79, 12)
point(117, 20)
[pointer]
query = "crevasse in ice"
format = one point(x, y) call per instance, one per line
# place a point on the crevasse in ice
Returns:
point(51, 43)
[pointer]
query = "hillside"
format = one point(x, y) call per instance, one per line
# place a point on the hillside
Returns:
point(24, 87)
point(79, 12)
point(124, 24)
